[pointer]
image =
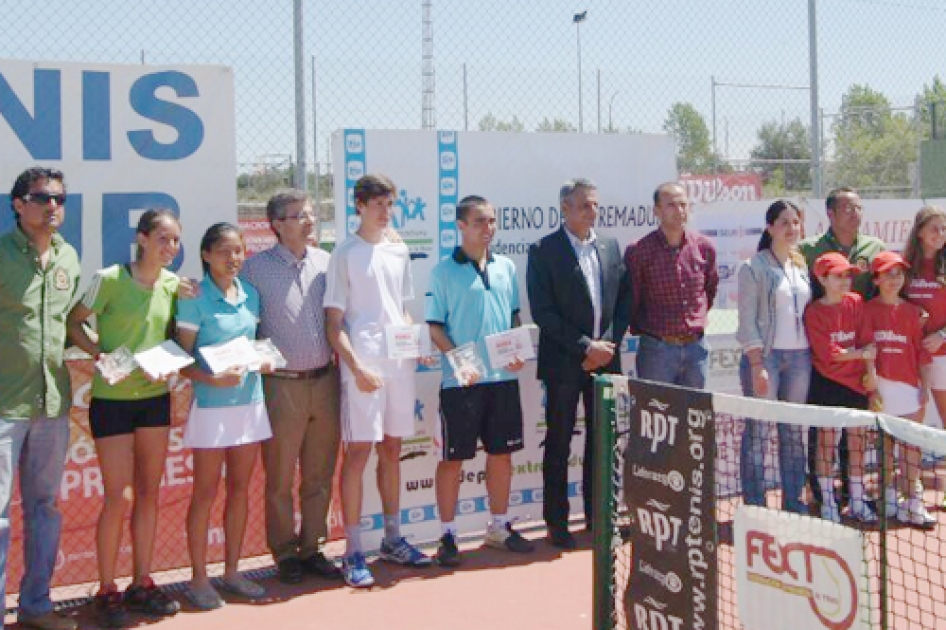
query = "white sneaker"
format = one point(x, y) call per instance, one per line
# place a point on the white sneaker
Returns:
point(862, 512)
point(830, 512)
point(913, 512)
point(892, 502)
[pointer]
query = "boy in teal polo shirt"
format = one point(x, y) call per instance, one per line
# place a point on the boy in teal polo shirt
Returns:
point(474, 293)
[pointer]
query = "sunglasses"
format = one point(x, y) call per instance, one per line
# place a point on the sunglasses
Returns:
point(43, 199)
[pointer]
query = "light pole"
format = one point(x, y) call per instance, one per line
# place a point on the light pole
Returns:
point(610, 103)
point(578, 19)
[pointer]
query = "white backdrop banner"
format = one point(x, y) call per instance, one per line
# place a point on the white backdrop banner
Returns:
point(521, 175)
point(128, 138)
point(889, 220)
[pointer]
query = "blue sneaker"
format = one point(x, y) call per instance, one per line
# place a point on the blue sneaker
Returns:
point(404, 553)
point(356, 572)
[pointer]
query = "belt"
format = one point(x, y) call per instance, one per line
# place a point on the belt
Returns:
point(302, 374)
point(677, 340)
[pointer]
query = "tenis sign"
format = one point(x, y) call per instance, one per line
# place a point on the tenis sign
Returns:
point(128, 138)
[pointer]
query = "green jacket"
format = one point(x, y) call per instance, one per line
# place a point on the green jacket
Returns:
point(34, 303)
point(860, 254)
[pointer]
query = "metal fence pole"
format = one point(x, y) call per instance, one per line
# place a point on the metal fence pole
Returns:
point(604, 495)
point(299, 67)
point(817, 175)
point(882, 535)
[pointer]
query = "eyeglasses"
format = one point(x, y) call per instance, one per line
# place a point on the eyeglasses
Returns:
point(851, 209)
point(43, 199)
point(299, 217)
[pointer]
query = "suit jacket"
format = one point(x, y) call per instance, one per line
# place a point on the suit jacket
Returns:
point(560, 301)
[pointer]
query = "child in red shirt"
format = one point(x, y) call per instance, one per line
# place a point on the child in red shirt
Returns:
point(896, 327)
point(838, 379)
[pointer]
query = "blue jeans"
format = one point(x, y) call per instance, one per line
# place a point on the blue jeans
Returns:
point(36, 451)
point(672, 364)
point(789, 374)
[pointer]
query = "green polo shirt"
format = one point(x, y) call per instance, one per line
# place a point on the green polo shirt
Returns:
point(860, 254)
point(34, 303)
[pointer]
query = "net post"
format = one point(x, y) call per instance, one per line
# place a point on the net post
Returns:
point(604, 498)
point(883, 516)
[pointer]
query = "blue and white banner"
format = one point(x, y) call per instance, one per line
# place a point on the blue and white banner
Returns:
point(128, 138)
point(520, 174)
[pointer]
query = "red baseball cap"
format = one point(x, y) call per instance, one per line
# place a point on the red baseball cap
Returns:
point(885, 261)
point(832, 263)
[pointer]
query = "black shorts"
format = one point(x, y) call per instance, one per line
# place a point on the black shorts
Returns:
point(491, 412)
point(121, 417)
point(827, 393)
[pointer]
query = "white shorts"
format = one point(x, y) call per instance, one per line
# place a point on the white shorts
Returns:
point(899, 398)
point(385, 411)
point(937, 372)
point(220, 427)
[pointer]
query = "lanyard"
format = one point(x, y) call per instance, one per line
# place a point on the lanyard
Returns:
point(799, 325)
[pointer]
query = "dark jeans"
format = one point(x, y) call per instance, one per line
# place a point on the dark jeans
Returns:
point(560, 413)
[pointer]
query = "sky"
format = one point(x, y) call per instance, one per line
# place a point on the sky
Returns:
point(521, 58)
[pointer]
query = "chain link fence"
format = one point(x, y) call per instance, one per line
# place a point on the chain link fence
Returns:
point(730, 80)
point(669, 555)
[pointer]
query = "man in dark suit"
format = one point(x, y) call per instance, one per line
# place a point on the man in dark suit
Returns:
point(579, 296)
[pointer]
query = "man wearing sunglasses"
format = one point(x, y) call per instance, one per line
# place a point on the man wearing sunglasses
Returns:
point(301, 398)
point(38, 285)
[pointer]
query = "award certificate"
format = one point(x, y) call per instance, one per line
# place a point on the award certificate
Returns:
point(508, 346)
point(411, 341)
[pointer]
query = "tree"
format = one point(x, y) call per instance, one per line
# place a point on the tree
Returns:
point(491, 123)
point(933, 99)
point(780, 141)
point(874, 147)
point(555, 125)
point(615, 129)
point(694, 151)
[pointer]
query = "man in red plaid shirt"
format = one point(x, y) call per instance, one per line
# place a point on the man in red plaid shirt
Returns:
point(674, 276)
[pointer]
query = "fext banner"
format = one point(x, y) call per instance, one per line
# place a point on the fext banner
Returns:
point(128, 138)
point(521, 175)
point(809, 570)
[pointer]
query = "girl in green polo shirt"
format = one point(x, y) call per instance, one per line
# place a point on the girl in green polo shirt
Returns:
point(130, 420)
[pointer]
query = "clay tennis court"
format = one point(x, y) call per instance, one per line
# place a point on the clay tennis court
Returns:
point(546, 590)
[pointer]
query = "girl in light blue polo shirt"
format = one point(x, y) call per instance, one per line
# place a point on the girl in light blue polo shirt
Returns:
point(228, 419)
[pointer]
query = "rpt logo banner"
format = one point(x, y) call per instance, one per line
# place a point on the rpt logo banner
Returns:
point(808, 569)
point(669, 477)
